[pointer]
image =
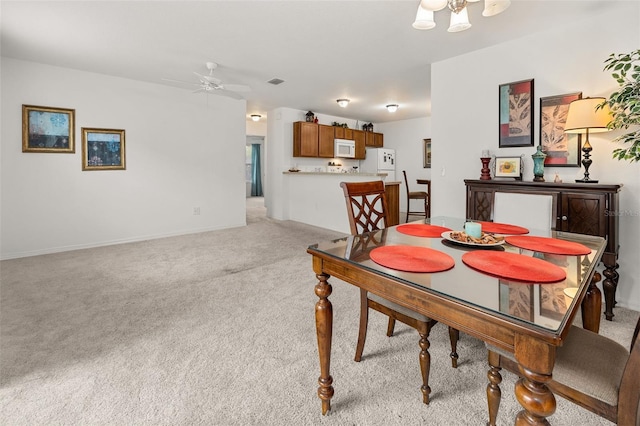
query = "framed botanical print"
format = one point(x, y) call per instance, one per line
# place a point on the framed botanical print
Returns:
point(48, 129)
point(427, 153)
point(103, 149)
point(516, 114)
point(562, 149)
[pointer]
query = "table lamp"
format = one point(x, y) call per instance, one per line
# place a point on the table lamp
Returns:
point(584, 118)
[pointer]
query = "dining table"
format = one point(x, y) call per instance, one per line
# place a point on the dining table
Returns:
point(508, 292)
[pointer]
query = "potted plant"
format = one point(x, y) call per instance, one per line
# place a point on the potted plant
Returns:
point(625, 102)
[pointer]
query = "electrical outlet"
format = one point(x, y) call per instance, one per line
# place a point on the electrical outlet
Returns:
point(196, 211)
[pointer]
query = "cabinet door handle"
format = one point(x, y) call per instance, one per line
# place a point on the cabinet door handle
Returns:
point(564, 218)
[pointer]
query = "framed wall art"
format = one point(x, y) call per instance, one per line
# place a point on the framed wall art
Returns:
point(427, 153)
point(509, 167)
point(562, 149)
point(103, 149)
point(48, 129)
point(516, 114)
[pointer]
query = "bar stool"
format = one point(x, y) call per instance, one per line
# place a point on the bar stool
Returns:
point(416, 195)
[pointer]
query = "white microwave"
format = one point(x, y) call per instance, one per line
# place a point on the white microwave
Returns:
point(344, 148)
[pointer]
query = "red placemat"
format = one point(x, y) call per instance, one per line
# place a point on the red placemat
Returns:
point(412, 258)
point(548, 245)
point(422, 230)
point(514, 266)
point(503, 228)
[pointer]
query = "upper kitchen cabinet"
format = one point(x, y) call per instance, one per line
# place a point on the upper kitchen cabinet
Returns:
point(359, 138)
point(343, 133)
point(374, 140)
point(312, 140)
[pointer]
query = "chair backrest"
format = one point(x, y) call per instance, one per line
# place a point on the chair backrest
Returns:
point(406, 182)
point(366, 205)
point(629, 393)
point(532, 211)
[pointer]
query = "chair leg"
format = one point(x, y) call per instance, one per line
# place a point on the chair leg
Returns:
point(493, 390)
point(425, 365)
point(391, 326)
point(364, 319)
point(426, 210)
point(408, 204)
point(454, 336)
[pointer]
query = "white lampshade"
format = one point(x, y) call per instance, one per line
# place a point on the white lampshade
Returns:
point(343, 102)
point(433, 5)
point(424, 19)
point(459, 21)
point(493, 7)
point(582, 115)
point(392, 107)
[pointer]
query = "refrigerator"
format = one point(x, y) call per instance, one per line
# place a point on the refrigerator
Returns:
point(380, 160)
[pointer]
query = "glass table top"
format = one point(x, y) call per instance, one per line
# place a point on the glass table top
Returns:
point(541, 305)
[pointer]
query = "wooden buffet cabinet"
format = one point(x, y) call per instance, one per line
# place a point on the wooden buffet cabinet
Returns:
point(316, 140)
point(579, 207)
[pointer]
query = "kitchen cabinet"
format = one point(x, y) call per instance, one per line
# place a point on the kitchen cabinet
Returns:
point(343, 133)
point(583, 208)
point(359, 139)
point(374, 140)
point(312, 140)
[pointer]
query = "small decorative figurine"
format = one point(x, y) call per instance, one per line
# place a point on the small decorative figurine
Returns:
point(557, 179)
point(309, 117)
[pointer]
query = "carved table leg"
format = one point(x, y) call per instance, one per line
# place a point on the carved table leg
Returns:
point(494, 394)
point(324, 329)
point(425, 364)
point(591, 305)
point(454, 336)
point(609, 286)
point(531, 390)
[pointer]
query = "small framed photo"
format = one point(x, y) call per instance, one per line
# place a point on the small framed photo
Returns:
point(48, 129)
point(515, 105)
point(562, 149)
point(427, 153)
point(103, 149)
point(508, 167)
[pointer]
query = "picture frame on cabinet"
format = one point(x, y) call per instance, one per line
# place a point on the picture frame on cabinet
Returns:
point(48, 129)
point(508, 167)
point(562, 149)
point(427, 153)
point(103, 149)
point(515, 114)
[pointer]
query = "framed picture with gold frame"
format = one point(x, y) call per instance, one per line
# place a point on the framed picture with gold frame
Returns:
point(103, 149)
point(427, 153)
point(48, 129)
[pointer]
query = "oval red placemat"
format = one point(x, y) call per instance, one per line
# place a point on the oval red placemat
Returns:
point(422, 230)
point(412, 258)
point(503, 228)
point(548, 245)
point(514, 266)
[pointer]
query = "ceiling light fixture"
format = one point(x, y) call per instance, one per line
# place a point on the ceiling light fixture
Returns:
point(459, 16)
point(343, 102)
point(392, 107)
point(256, 117)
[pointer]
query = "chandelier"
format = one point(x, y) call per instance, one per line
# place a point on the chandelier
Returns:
point(459, 16)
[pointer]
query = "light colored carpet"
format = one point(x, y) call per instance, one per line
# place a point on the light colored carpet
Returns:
point(218, 329)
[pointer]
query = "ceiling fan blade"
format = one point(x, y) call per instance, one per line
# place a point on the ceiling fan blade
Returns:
point(181, 82)
point(208, 78)
point(227, 93)
point(236, 87)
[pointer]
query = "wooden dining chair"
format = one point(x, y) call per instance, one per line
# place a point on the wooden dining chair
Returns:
point(591, 371)
point(416, 195)
point(367, 211)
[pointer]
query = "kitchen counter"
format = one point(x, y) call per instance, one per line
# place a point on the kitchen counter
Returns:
point(335, 173)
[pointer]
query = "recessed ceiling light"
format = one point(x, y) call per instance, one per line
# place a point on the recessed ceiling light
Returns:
point(392, 107)
point(343, 102)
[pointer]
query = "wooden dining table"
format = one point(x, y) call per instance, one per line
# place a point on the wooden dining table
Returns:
point(465, 298)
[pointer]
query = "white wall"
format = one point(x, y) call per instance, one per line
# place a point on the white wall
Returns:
point(182, 151)
point(406, 137)
point(570, 59)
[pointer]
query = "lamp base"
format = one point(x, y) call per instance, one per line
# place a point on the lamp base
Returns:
point(586, 181)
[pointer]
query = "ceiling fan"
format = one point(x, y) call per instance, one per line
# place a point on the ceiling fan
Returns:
point(210, 84)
